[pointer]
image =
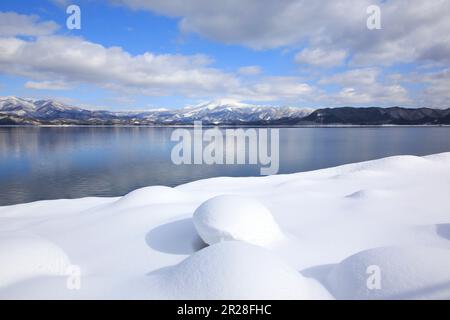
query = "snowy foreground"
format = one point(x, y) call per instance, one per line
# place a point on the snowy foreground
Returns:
point(372, 230)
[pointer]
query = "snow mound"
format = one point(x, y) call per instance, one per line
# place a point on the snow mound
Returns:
point(236, 270)
point(364, 194)
point(444, 158)
point(230, 217)
point(373, 168)
point(151, 195)
point(25, 257)
point(413, 272)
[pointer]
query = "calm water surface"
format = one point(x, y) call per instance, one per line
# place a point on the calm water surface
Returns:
point(74, 162)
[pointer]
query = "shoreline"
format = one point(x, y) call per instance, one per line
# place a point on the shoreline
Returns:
point(234, 126)
point(149, 244)
point(279, 176)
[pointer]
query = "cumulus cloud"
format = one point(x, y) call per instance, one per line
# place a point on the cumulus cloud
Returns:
point(331, 33)
point(362, 76)
point(321, 58)
point(364, 87)
point(60, 62)
point(47, 85)
point(54, 62)
point(412, 30)
point(277, 88)
point(250, 70)
point(437, 90)
point(74, 60)
point(14, 24)
point(233, 21)
point(381, 95)
point(61, 3)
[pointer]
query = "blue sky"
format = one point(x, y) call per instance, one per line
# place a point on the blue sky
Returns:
point(136, 54)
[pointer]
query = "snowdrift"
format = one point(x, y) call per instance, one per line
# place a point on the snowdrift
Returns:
point(404, 273)
point(25, 257)
point(311, 235)
point(236, 270)
point(230, 217)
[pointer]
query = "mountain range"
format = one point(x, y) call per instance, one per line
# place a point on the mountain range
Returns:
point(19, 111)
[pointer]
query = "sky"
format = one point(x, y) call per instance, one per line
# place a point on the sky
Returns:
point(144, 54)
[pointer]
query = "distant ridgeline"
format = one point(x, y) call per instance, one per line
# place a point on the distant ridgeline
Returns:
point(374, 116)
point(17, 111)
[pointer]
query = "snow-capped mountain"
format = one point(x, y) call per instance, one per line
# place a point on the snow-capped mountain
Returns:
point(39, 109)
point(226, 111)
point(17, 106)
point(20, 110)
point(17, 111)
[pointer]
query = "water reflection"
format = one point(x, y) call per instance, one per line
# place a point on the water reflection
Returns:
point(73, 162)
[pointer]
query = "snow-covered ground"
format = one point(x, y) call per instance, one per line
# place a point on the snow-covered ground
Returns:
point(377, 229)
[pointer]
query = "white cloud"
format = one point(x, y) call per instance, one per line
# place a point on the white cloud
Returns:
point(250, 70)
point(376, 95)
point(351, 96)
point(60, 62)
point(47, 85)
point(320, 57)
point(276, 89)
point(52, 62)
point(334, 31)
point(13, 24)
point(437, 90)
point(74, 60)
point(61, 3)
point(364, 87)
point(412, 30)
point(232, 21)
point(362, 76)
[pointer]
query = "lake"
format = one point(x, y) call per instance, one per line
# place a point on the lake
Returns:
point(38, 163)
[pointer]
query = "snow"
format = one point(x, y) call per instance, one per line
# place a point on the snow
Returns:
point(236, 270)
point(151, 195)
point(24, 257)
point(406, 273)
point(392, 214)
point(211, 105)
point(230, 217)
point(214, 111)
